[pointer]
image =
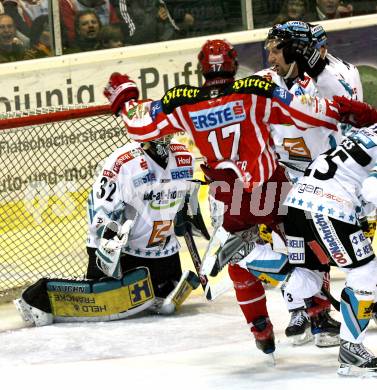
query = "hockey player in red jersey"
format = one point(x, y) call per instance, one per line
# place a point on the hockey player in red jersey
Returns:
point(229, 122)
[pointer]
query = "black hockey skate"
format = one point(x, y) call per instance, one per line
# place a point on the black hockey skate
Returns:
point(299, 327)
point(264, 335)
point(356, 360)
point(325, 330)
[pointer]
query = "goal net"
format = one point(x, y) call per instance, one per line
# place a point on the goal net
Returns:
point(48, 162)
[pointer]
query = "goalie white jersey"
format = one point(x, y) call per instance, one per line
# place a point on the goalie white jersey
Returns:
point(334, 181)
point(297, 148)
point(130, 181)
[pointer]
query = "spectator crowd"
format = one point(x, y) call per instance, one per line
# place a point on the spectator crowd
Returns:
point(87, 25)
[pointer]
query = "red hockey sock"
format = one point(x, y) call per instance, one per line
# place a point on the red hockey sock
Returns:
point(249, 292)
point(319, 305)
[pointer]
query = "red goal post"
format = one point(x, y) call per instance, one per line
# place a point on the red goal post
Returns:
point(49, 159)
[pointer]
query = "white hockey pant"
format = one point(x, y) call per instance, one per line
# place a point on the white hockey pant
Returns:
point(302, 284)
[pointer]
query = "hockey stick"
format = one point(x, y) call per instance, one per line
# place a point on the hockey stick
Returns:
point(332, 300)
point(191, 246)
point(210, 292)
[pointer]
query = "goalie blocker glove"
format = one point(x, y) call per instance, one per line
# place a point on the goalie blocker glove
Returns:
point(119, 90)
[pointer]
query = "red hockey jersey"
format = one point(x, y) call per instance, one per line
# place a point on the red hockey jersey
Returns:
point(230, 125)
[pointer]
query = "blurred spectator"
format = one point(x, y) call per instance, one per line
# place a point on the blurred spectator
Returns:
point(294, 10)
point(199, 17)
point(363, 7)
point(332, 9)
point(147, 21)
point(21, 19)
point(40, 39)
point(87, 28)
point(110, 37)
point(233, 15)
point(34, 8)
point(11, 47)
point(23, 12)
point(265, 12)
point(69, 8)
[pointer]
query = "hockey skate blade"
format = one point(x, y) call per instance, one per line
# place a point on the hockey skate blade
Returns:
point(303, 338)
point(326, 340)
point(271, 359)
point(348, 370)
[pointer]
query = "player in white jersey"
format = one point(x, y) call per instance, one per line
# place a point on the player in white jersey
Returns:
point(150, 181)
point(145, 184)
point(131, 210)
point(296, 149)
point(322, 229)
point(347, 71)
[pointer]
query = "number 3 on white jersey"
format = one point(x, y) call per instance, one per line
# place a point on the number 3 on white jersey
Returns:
point(226, 132)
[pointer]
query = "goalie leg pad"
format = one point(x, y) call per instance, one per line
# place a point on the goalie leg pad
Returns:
point(34, 305)
point(188, 282)
point(59, 300)
point(103, 300)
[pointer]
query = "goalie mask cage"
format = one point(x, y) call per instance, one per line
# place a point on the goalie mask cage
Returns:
point(48, 162)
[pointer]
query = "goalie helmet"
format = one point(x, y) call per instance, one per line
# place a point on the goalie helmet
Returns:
point(218, 58)
point(159, 147)
point(292, 30)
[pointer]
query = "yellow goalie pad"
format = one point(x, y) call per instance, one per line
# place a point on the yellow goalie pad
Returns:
point(108, 299)
point(182, 294)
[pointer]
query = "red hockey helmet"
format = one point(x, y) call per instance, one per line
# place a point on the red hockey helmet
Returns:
point(218, 58)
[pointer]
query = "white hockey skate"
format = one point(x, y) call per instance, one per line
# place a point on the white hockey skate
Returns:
point(356, 360)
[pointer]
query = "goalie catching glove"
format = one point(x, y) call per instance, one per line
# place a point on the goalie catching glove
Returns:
point(119, 90)
point(113, 239)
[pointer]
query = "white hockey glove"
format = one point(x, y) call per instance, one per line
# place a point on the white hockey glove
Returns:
point(110, 249)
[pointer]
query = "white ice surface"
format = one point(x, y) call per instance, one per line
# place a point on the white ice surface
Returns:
point(205, 346)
